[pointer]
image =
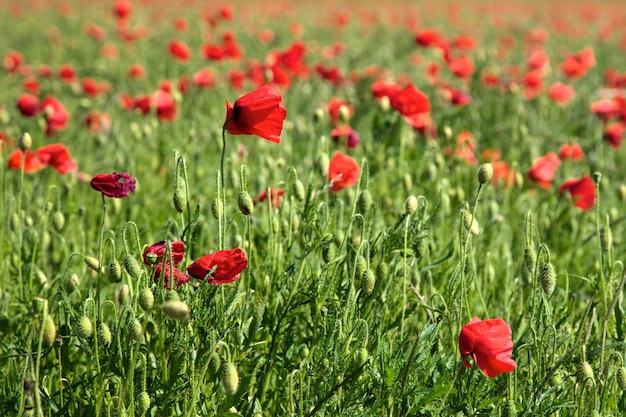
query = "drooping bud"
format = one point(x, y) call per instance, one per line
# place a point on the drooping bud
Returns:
point(246, 206)
point(104, 334)
point(410, 205)
point(485, 173)
point(298, 190)
point(470, 223)
point(71, 283)
point(84, 328)
point(585, 373)
point(621, 378)
point(135, 330)
point(25, 142)
point(547, 277)
point(606, 237)
point(114, 272)
point(360, 266)
point(360, 357)
point(180, 199)
point(92, 263)
point(143, 403)
point(215, 363)
point(275, 225)
point(328, 252)
point(146, 299)
point(368, 281)
point(58, 221)
point(215, 209)
point(365, 201)
point(322, 164)
point(49, 330)
point(382, 270)
point(121, 294)
point(175, 309)
point(132, 266)
point(529, 258)
point(229, 377)
point(621, 192)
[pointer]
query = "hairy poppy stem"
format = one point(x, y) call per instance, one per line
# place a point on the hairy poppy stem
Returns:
point(222, 192)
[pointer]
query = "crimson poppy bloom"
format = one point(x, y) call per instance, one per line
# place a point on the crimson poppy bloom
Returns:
point(31, 85)
point(136, 71)
point(561, 93)
point(577, 64)
point(179, 50)
point(257, 113)
point(543, 169)
point(410, 101)
point(344, 134)
point(57, 116)
point(12, 61)
point(383, 88)
point(165, 106)
point(614, 134)
point(573, 152)
point(582, 190)
point(428, 37)
point(462, 67)
point(204, 78)
point(275, 197)
point(334, 106)
point(489, 343)
point(28, 105)
point(67, 73)
point(605, 108)
point(57, 156)
point(160, 248)
point(178, 276)
point(343, 171)
point(32, 163)
point(116, 185)
point(222, 267)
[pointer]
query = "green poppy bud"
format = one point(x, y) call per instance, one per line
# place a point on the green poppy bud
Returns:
point(84, 328)
point(229, 378)
point(146, 299)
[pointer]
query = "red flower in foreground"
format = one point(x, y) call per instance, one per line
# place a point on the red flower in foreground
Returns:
point(32, 163)
point(543, 169)
point(489, 343)
point(343, 171)
point(160, 248)
point(222, 267)
point(257, 113)
point(582, 190)
point(57, 156)
point(116, 185)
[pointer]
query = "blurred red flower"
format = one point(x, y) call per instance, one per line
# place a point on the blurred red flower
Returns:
point(275, 197)
point(67, 73)
point(582, 190)
point(489, 343)
point(165, 106)
point(98, 122)
point(462, 67)
point(345, 135)
point(257, 113)
point(28, 105)
point(56, 115)
point(428, 37)
point(57, 156)
point(122, 9)
point(178, 276)
point(561, 93)
point(32, 163)
point(204, 78)
point(543, 169)
point(179, 50)
point(222, 267)
point(12, 61)
point(343, 171)
point(577, 64)
point(334, 105)
point(410, 101)
point(31, 85)
point(573, 152)
point(136, 71)
point(614, 134)
point(116, 185)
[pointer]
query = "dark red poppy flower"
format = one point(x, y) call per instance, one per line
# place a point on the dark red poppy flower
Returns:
point(93, 88)
point(577, 64)
point(489, 343)
point(257, 113)
point(222, 267)
point(605, 108)
point(275, 197)
point(142, 104)
point(159, 249)
point(122, 9)
point(176, 275)
point(165, 106)
point(116, 185)
point(410, 101)
point(57, 156)
point(345, 135)
point(179, 50)
point(32, 163)
point(582, 190)
point(343, 171)
point(28, 105)
point(543, 169)
point(213, 52)
point(561, 93)
point(573, 152)
point(614, 134)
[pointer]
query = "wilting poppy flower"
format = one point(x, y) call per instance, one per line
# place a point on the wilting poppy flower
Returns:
point(57, 156)
point(582, 190)
point(410, 101)
point(32, 163)
point(178, 276)
point(275, 197)
point(489, 343)
point(159, 249)
point(165, 106)
point(543, 169)
point(573, 152)
point(179, 50)
point(257, 113)
point(343, 171)
point(344, 134)
point(561, 93)
point(222, 267)
point(28, 105)
point(116, 185)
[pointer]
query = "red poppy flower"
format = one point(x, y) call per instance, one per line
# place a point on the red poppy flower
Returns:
point(605, 108)
point(67, 73)
point(489, 343)
point(543, 169)
point(582, 190)
point(12, 61)
point(56, 115)
point(222, 267)
point(257, 113)
point(28, 105)
point(96, 32)
point(31, 85)
point(573, 152)
point(462, 67)
point(57, 156)
point(116, 185)
point(334, 105)
point(410, 101)
point(383, 88)
point(503, 174)
point(213, 52)
point(165, 106)
point(136, 71)
point(276, 197)
point(538, 60)
point(32, 163)
point(614, 134)
point(343, 171)
point(344, 134)
point(561, 93)
point(160, 248)
point(179, 50)
point(122, 9)
point(178, 276)
point(428, 37)
point(577, 64)
point(98, 122)
point(423, 124)
point(204, 78)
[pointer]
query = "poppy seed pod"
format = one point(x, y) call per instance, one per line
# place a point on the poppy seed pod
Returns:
point(485, 173)
point(84, 328)
point(229, 378)
point(135, 330)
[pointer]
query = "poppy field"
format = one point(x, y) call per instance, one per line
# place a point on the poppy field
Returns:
point(310, 209)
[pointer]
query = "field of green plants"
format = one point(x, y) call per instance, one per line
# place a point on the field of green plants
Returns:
point(318, 209)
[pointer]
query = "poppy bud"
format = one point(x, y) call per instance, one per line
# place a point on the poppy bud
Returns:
point(529, 258)
point(365, 201)
point(143, 403)
point(246, 206)
point(215, 209)
point(382, 270)
point(121, 294)
point(470, 223)
point(132, 266)
point(410, 205)
point(58, 221)
point(298, 190)
point(14, 222)
point(25, 142)
point(229, 378)
point(84, 328)
point(104, 334)
point(175, 309)
point(71, 283)
point(49, 330)
point(328, 252)
point(114, 272)
point(318, 115)
point(275, 225)
point(485, 173)
point(215, 363)
point(585, 373)
point(360, 266)
point(135, 329)
point(621, 378)
point(360, 357)
point(621, 192)
point(322, 164)
point(368, 281)
point(284, 227)
point(547, 277)
point(509, 409)
point(295, 223)
point(180, 199)
point(447, 132)
point(92, 263)
point(146, 299)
